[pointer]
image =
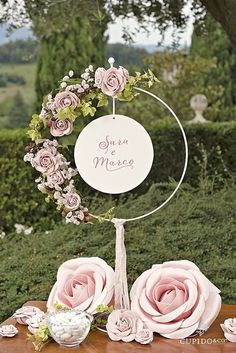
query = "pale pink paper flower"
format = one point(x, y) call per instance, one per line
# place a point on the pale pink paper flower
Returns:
point(229, 328)
point(46, 162)
point(71, 201)
point(99, 74)
point(122, 325)
point(25, 313)
point(66, 99)
point(61, 127)
point(8, 331)
point(175, 299)
point(113, 81)
point(144, 336)
point(83, 283)
point(35, 321)
point(55, 179)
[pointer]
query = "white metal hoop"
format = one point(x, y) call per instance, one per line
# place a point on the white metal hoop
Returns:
point(185, 162)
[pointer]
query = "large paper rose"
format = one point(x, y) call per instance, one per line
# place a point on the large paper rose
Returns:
point(229, 328)
point(61, 127)
point(113, 81)
point(175, 299)
point(66, 99)
point(46, 162)
point(83, 283)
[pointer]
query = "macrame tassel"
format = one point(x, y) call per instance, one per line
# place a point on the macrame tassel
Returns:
point(121, 285)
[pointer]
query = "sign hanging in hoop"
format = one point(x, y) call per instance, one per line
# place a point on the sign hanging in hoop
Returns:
point(119, 154)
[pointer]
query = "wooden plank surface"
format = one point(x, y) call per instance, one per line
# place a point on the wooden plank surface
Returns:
point(212, 341)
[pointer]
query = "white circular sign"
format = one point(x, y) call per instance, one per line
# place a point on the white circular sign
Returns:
point(114, 154)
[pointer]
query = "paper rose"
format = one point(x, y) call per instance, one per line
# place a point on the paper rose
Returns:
point(125, 325)
point(229, 328)
point(66, 99)
point(35, 321)
point(112, 81)
point(26, 312)
point(175, 299)
point(54, 179)
point(61, 127)
point(83, 283)
point(71, 201)
point(46, 162)
point(8, 331)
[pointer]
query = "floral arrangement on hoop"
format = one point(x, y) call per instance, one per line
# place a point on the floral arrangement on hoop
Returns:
point(75, 98)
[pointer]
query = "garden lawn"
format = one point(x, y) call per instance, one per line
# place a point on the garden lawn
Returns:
point(196, 226)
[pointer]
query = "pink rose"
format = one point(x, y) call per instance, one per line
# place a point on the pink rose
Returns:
point(25, 313)
point(113, 81)
point(175, 299)
point(99, 74)
point(66, 99)
point(122, 325)
point(55, 179)
point(83, 283)
point(35, 321)
point(61, 127)
point(72, 201)
point(144, 336)
point(229, 328)
point(46, 162)
point(8, 331)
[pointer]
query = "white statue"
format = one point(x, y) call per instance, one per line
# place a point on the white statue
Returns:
point(198, 103)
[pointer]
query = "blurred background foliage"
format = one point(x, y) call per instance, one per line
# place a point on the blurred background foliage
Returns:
point(199, 224)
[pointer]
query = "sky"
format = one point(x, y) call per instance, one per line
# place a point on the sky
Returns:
point(115, 34)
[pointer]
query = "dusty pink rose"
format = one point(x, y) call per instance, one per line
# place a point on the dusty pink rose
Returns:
point(66, 99)
point(35, 321)
point(144, 336)
point(72, 201)
point(56, 178)
point(113, 81)
point(229, 328)
point(99, 74)
point(61, 127)
point(25, 313)
point(122, 325)
point(83, 283)
point(8, 331)
point(46, 162)
point(175, 299)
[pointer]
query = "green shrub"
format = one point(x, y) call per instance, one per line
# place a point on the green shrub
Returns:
point(196, 226)
point(211, 160)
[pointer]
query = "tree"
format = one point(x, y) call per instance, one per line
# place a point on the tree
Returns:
point(18, 116)
point(214, 43)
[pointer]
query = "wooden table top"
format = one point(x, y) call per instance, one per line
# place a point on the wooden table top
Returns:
point(212, 341)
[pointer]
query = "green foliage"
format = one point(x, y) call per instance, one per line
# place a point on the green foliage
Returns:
point(211, 160)
point(18, 113)
point(214, 43)
point(20, 201)
point(7, 78)
point(195, 226)
point(183, 76)
point(127, 56)
point(19, 51)
point(81, 43)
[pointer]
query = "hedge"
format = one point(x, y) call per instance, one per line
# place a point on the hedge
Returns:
point(211, 155)
point(197, 226)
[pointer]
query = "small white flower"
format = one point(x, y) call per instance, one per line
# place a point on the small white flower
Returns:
point(65, 78)
point(49, 97)
point(28, 231)
point(71, 73)
point(19, 228)
point(63, 84)
point(90, 68)
point(86, 86)
point(2, 235)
